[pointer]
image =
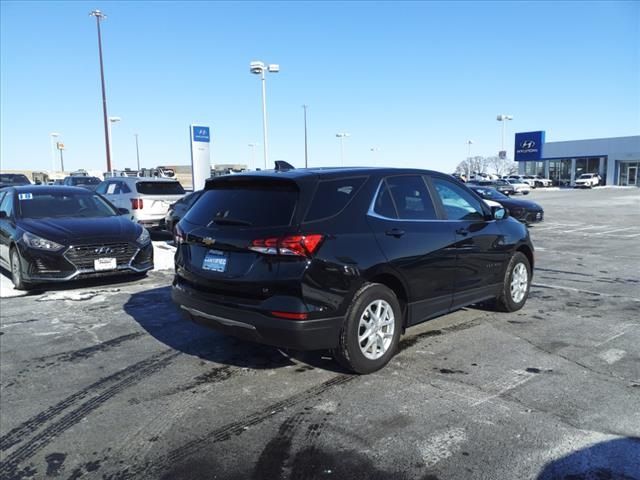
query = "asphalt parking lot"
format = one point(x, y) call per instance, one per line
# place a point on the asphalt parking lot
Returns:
point(107, 381)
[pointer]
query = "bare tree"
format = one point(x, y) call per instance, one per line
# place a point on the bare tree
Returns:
point(473, 165)
point(503, 166)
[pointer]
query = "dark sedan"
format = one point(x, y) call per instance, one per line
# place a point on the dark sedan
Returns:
point(53, 234)
point(13, 180)
point(179, 209)
point(500, 185)
point(523, 210)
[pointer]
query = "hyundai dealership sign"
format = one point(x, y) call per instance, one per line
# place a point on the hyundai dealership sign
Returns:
point(529, 146)
point(200, 156)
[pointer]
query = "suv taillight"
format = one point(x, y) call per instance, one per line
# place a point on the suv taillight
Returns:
point(294, 245)
point(178, 235)
point(136, 204)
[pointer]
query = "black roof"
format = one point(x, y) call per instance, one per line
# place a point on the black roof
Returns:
point(300, 173)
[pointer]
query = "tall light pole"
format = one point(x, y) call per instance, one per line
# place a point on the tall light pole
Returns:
point(252, 146)
point(259, 68)
point(111, 121)
point(100, 17)
point(306, 151)
point(342, 136)
point(137, 151)
point(53, 136)
point(469, 143)
point(503, 118)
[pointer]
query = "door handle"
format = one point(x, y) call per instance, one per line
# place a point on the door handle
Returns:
point(462, 231)
point(395, 232)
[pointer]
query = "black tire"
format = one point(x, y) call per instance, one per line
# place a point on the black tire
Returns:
point(505, 301)
point(349, 353)
point(525, 193)
point(16, 271)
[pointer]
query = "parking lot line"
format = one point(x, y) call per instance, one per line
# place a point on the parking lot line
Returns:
point(591, 227)
point(615, 230)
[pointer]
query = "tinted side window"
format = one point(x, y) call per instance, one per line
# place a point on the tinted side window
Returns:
point(160, 188)
point(124, 188)
point(411, 197)
point(6, 205)
point(458, 203)
point(102, 188)
point(384, 203)
point(332, 196)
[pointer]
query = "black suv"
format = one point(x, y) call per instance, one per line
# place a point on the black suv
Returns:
point(344, 259)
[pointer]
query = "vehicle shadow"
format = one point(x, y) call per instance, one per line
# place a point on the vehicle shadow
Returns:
point(617, 459)
point(160, 317)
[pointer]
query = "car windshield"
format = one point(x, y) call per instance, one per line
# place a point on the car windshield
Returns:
point(85, 181)
point(587, 175)
point(490, 193)
point(63, 204)
point(14, 179)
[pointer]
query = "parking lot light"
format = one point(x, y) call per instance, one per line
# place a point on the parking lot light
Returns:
point(53, 136)
point(99, 18)
point(469, 143)
point(503, 118)
point(342, 136)
point(259, 68)
point(111, 121)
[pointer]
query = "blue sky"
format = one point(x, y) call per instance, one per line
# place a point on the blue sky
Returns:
point(413, 79)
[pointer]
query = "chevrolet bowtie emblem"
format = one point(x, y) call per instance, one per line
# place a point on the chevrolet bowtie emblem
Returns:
point(208, 241)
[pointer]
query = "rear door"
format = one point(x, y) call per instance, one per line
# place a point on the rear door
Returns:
point(480, 246)
point(222, 226)
point(417, 244)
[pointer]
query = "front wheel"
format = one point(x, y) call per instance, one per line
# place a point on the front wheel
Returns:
point(516, 284)
point(371, 330)
point(16, 271)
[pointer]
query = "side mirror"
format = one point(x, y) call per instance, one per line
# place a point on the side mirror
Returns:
point(499, 213)
point(3, 215)
point(123, 211)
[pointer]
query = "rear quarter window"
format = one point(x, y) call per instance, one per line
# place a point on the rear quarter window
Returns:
point(159, 188)
point(333, 196)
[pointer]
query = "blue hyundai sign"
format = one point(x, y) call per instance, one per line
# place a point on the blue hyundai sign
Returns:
point(200, 134)
point(529, 146)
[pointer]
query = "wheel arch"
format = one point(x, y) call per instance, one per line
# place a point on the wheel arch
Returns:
point(395, 284)
point(527, 252)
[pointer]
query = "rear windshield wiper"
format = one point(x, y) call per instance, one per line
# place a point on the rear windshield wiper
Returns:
point(229, 221)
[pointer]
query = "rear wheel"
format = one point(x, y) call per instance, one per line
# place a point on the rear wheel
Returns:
point(371, 330)
point(16, 271)
point(516, 285)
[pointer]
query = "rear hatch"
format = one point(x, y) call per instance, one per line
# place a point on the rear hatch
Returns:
point(232, 234)
point(156, 196)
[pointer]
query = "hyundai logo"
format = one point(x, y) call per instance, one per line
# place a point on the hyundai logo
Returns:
point(527, 144)
point(103, 250)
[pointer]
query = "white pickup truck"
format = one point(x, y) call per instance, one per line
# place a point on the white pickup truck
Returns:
point(147, 199)
point(587, 180)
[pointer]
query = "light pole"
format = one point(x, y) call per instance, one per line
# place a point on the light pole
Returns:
point(342, 136)
point(60, 147)
point(469, 143)
point(373, 153)
point(306, 151)
point(99, 17)
point(259, 68)
point(137, 151)
point(111, 121)
point(503, 118)
point(53, 136)
point(252, 146)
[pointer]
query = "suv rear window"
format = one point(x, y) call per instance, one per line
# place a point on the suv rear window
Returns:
point(332, 196)
point(159, 188)
point(260, 205)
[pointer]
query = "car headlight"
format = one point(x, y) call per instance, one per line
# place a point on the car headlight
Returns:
point(144, 237)
point(40, 243)
point(516, 212)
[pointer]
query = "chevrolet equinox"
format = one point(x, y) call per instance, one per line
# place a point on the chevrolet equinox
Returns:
point(344, 258)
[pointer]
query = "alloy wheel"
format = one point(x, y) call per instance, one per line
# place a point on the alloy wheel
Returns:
point(519, 282)
point(375, 329)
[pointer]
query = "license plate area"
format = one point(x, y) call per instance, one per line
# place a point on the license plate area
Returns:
point(215, 261)
point(103, 264)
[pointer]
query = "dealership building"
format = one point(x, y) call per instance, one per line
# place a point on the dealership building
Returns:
point(616, 160)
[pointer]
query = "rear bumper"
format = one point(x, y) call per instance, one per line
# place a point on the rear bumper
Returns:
point(251, 324)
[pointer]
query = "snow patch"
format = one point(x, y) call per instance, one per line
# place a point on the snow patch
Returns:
point(163, 254)
point(441, 446)
point(7, 290)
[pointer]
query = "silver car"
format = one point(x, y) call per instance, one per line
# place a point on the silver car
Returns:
point(147, 199)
